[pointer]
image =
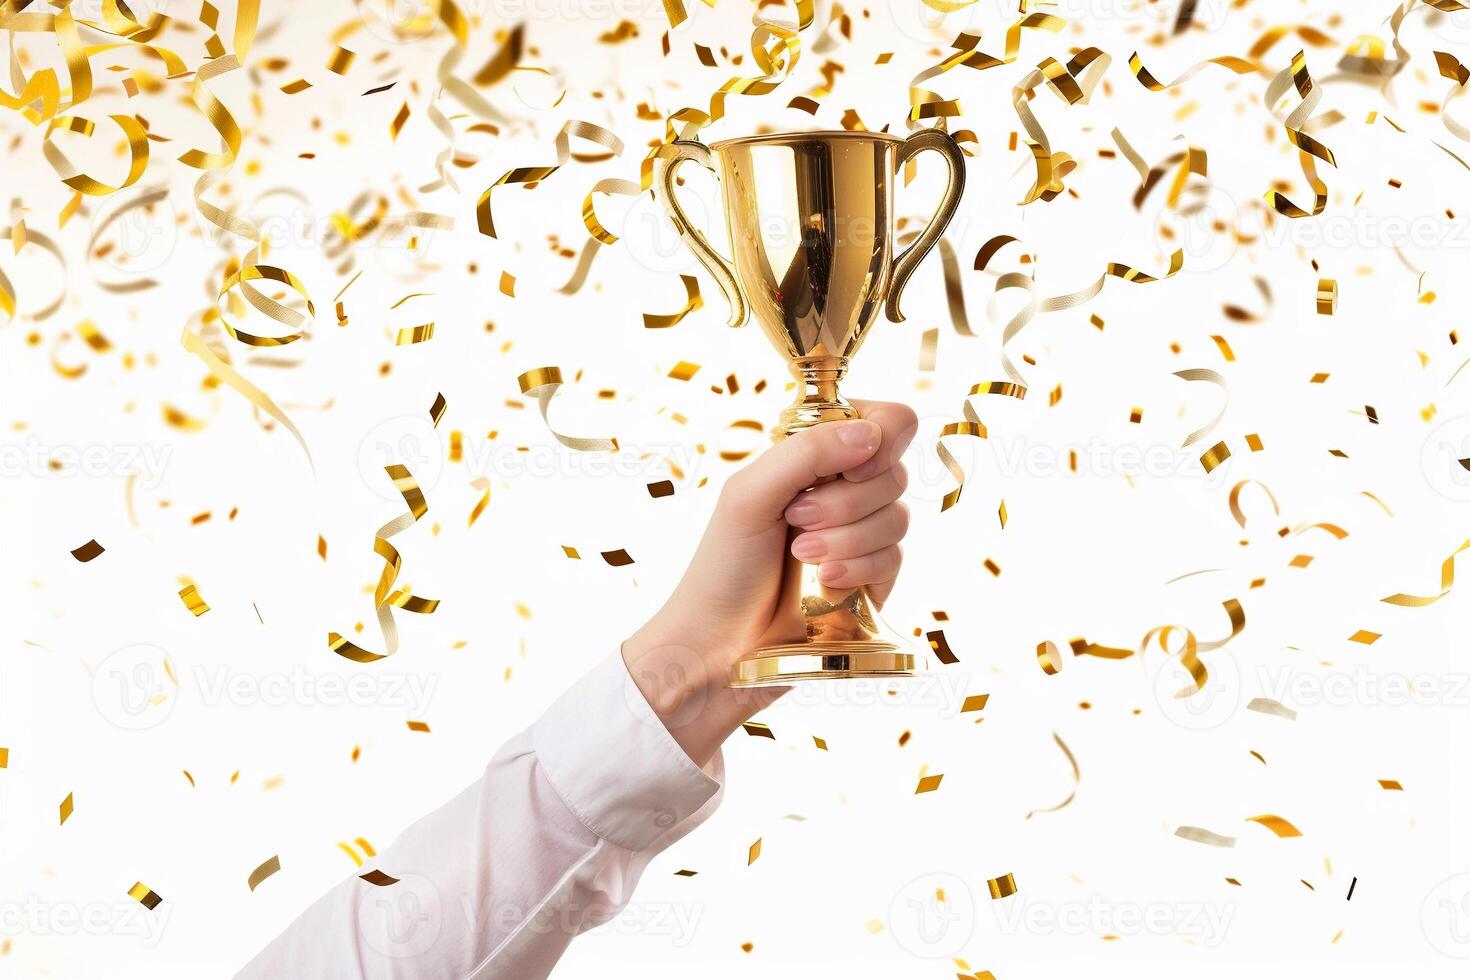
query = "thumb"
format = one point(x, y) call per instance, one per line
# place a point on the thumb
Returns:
point(760, 493)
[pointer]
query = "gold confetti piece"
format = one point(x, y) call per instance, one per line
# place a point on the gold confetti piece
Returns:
point(396, 127)
point(1446, 584)
point(414, 335)
point(692, 302)
point(685, 873)
point(974, 702)
point(145, 896)
point(321, 547)
point(1279, 826)
point(1269, 706)
point(1326, 296)
point(1259, 758)
point(1201, 836)
point(1365, 637)
point(663, 488)
point(1253, 441)
point(1319, 378)
point(190, 779)
point(683, 371)
point(1001, 513)
point(758, 729)
point(1390, 784)
point(260, 874)
point(542, 385)
point(480, 483)
point(88, 551)
point(340, 61)
point(418, 726)
point(1076, 782)
point(300, 85)
point(820, 743)
point(744, 947)
point(1214, 456)
point(1001, 887)
point(904, 739)
point(436, 410)
point(1049, 657)
point(379, 878)
point(755, 853)
point(929, 784)
point(67, 807)
point(193, 601)
point(383, 601)
point(617, 559)
point(940, 646)
point(1233, 882)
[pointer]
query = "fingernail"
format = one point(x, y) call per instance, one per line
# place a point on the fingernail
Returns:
point(832, 570)
point(807, 547)
point(803, 512)
point(859, 433)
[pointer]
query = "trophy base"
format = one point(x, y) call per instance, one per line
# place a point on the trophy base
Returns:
point(830, 660)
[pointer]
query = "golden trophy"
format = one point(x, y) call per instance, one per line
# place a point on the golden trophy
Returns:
point(810, 221)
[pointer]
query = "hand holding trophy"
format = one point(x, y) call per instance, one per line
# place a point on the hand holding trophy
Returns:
point(810, 218)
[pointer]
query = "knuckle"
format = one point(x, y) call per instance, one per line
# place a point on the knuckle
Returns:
point(900, 476)
point(900, 517)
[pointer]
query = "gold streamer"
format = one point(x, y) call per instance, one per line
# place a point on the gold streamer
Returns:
point(1446, 583)
point(1309, 150)
point(573, 129)
point(542, 385)
point(1076, 777)
point(692, 302)
point(383, 601)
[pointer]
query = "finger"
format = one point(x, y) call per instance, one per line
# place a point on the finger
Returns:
point(849, 573)
point(843, 502)
point(879, 591)
point(761, 492)
point(873, 533)
point(898, 422)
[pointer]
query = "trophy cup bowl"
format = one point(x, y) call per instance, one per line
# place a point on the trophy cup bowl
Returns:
point(810, 221)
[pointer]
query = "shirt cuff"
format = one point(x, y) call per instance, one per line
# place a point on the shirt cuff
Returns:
point(614, 764)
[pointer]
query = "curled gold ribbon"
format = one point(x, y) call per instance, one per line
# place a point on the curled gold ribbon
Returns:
point(146, 198)
point(573, 129)
point(1073, 83)
point(1235, 508)
point(692, 302)
point(1214, 377)
point(1309, 150)
point(542, 385)
point(7, 291)
point(137, 138)
point(385, 599)
point(1146, 78)
point(1446, 583)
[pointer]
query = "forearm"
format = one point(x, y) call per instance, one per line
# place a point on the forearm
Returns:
point(548, 843)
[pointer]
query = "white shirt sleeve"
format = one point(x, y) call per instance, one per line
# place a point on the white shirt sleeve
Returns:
point(548, 843)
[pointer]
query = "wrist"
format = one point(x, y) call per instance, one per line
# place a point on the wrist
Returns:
point(680, 687)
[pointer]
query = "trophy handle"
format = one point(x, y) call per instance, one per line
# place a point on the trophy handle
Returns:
point(909, 259)
point(715, 263)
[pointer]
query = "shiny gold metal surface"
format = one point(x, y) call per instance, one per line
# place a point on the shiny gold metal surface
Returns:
point(810, 221)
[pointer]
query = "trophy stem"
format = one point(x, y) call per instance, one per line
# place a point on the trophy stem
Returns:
point(817, 399)
point(821, 633)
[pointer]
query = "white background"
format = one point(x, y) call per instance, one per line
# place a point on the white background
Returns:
point(1084, 554)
